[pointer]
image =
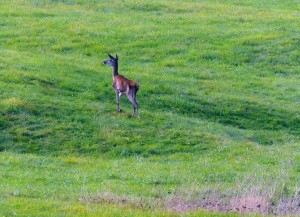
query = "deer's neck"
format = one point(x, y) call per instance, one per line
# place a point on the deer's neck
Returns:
point(115, 69)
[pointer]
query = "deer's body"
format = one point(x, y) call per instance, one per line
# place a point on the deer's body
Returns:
point(123, 85)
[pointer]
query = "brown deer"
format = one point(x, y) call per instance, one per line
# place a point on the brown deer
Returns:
point(123, 85)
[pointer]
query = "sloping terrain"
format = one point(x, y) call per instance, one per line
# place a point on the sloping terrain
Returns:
point(219, 106)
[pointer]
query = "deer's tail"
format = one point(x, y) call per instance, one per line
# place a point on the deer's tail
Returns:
point(135, 85)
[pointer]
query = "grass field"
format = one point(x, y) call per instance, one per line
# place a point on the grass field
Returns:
point(219, 127)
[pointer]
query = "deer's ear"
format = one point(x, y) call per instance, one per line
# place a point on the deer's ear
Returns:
point(110, 56)
point(117, 56)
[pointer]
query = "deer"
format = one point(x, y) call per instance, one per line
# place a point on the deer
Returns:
point(123, 85)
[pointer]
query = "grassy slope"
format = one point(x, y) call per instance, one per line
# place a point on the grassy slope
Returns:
point(219, 100)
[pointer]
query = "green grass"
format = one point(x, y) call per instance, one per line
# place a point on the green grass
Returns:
point(219, 104)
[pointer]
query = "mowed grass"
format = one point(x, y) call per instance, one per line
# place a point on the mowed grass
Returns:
point(219, 106)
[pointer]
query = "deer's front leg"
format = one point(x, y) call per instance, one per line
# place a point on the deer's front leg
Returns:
point(118, 94)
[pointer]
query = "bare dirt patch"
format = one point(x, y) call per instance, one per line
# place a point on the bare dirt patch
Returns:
point(249, 202)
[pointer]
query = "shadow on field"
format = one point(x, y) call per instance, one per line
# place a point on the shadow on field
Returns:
point(238, 113)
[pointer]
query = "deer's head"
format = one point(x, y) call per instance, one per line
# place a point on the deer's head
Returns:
point(112, 61)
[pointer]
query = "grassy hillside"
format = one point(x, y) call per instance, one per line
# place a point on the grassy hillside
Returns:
point(219, 106)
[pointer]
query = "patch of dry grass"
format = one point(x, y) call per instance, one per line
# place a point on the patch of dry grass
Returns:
point(252, 201)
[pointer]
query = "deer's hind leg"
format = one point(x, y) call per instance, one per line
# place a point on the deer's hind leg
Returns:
point(131, 96)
